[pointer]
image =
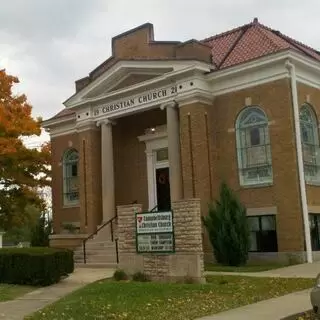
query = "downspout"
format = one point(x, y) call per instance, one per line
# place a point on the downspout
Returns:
point(302, 183)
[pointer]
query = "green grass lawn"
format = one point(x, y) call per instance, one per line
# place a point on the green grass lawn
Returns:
point(151, 301)
point(10, 291)
point(246, 268)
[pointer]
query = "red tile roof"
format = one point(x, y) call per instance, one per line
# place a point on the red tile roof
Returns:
point(252, 41)
point(63, 113)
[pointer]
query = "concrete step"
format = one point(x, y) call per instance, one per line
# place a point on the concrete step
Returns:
point(97, 255)
point(98, 259)
point(97, 249)
point(96, 265)
point(100, 244)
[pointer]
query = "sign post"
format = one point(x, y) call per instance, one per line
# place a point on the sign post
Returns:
point(155, 232)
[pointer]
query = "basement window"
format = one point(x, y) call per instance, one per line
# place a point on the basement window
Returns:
point(263, 234)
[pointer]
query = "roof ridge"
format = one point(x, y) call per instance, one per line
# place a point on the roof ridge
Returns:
point(298, 45)
point(272, 42)
point(287, 38)
point(222, 34)
point(244, 30)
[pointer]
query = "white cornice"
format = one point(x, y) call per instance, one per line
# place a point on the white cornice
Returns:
point(58, 121)
point(199, 96)
point(245, 67)
point(62, 131)
point(264, 70)
point(87, 125)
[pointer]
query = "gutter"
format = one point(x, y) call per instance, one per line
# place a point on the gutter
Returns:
point(292, 72)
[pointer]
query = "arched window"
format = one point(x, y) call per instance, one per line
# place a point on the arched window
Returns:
point(70, 177)
point(310, 144)
point(253, 145)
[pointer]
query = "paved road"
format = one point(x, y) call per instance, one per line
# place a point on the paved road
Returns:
point(38, 299)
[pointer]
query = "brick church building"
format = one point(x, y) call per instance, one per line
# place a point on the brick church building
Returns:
point(160, 121)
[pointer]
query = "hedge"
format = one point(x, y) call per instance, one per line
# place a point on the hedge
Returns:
point(35, 266)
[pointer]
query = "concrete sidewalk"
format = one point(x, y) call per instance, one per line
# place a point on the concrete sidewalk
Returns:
point(33, 301)
point(272, 309)
point(276, 308)
point(305, 270)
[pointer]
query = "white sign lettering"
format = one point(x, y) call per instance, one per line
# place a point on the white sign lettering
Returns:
point(135, 101)
point(155, 242)
point(154, 222)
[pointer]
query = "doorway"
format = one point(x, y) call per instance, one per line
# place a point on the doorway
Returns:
point(163, 189)
point(156, 142)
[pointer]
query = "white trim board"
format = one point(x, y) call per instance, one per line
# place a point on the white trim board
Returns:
point(153, 142)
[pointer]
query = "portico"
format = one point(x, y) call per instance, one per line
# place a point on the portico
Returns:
point(165, 139)
point(165, 94)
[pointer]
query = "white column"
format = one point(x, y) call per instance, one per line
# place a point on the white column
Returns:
point(107, 170)
point(150, 175)
point(174, 153)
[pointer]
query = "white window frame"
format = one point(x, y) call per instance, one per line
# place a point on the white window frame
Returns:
point(311, 151)
point(66, 162)
point(258, 180)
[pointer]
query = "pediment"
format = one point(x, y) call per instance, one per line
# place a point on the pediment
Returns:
point(124, 74)
point(124, 78)
point(132, 79)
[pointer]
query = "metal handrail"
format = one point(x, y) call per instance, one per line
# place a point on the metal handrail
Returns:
point(153, 209)
point(95, 232)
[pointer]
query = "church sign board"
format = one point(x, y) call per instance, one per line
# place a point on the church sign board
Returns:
point(154, 232)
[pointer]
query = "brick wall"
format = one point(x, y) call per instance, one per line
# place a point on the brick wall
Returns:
point(61, 213)
point(275, 99)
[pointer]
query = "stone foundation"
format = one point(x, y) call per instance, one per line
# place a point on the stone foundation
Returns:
point(187, 261)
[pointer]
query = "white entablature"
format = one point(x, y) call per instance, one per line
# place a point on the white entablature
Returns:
point(99, 100)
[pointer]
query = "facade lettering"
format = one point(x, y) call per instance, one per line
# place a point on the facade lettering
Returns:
point(136, 100)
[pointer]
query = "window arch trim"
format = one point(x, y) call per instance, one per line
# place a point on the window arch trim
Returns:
point(253, 147)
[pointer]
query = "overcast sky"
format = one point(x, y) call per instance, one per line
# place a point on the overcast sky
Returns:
point(49, 44)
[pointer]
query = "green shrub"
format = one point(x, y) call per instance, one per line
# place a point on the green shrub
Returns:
point(40, 233)
point(140, 276)
point(34, 266)
point(120, 275)
point(228, 229)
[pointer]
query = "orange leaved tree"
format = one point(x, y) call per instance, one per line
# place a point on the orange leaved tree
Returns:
point(23, 171)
